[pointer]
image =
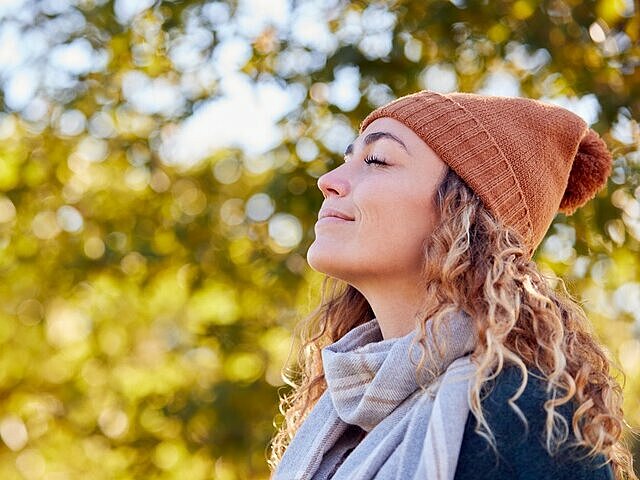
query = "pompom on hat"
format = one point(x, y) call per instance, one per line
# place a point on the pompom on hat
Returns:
point(524, 158)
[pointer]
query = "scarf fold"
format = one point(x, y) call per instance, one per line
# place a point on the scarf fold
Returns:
point(371, 383)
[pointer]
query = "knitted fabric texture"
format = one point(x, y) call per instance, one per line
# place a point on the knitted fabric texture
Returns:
point(413, 433)
point(524, 158)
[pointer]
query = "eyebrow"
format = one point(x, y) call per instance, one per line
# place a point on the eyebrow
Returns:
point(374, 136)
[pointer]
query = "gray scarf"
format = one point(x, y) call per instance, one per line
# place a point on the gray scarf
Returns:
point(371, 386)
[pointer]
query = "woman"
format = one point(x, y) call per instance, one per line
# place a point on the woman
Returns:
point(439, 351)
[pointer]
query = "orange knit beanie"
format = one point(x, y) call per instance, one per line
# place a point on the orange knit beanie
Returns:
point(524, 158)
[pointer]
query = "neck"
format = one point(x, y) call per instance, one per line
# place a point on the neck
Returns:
point(395, 306)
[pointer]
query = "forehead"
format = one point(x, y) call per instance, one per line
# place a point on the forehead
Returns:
point(372, 137)
point(383, 128)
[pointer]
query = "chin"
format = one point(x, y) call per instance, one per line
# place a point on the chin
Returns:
point(323, 260)
point(316, 259)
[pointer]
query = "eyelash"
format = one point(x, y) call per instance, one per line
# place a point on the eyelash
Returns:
point(372, 159)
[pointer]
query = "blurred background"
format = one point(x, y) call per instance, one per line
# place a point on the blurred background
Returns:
point(158, 168)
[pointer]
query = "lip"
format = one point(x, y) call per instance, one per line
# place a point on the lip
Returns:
point(330, 219)
point(332, 213)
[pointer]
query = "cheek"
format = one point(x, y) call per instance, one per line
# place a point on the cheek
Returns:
point(376, 199)
point(411, 224)
point(399, 215)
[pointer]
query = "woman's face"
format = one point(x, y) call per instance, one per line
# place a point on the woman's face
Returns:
point(389, 206)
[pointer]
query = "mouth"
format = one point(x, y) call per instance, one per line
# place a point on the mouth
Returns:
point(331, 219)
point(328, 212)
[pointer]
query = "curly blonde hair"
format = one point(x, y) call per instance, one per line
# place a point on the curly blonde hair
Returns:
point(475, 263)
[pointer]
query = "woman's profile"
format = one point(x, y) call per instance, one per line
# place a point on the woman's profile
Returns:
point(439, 350)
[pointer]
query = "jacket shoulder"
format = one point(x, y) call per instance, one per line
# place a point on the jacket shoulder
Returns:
point(522, 452)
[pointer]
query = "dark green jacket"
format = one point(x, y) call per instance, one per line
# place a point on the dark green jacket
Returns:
point(521, 457)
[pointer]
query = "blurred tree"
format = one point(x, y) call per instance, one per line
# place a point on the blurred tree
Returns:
point(158, 170)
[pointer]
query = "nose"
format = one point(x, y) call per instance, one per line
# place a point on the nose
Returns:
point(333, 182)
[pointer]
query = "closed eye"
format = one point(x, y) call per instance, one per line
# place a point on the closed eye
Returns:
point(369, 159)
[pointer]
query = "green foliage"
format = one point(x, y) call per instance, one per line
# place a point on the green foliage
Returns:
point(147, 305)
